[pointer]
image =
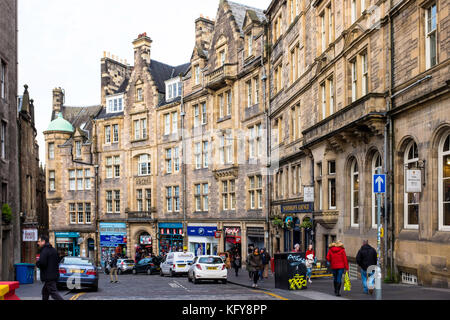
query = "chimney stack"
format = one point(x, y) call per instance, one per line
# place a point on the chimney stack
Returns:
point(142, 49)
point(58, 100)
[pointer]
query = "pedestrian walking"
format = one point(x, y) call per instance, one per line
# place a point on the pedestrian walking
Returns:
point(310, 260)
point(49, 267)
point(237, 263)
point(228, 260)
point(199, 250)
point(366, 257)
point(265, 260)
point(113, 271)
point(255, 265)
point(338, 263)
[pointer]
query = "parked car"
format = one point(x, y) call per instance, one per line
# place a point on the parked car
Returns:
point(84, 268)
point(123, 265)
point(147, 265)
point(176, 263)
point(208, 268)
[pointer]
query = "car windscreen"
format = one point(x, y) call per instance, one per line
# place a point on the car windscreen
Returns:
point(76, 261)
point(210, 260)
point(128, 261)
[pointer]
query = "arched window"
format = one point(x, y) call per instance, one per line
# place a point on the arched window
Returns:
point(354, 193)
point(377, 168)
point(144, 165)
point(444, 183)
point(411, 202)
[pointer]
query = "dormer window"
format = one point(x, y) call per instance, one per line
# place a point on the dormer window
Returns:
point(249, 44)
point(139, 95)
point(114, 104)
point(173, 89)
point(78, 149)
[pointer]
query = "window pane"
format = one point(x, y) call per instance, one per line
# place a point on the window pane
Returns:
point(413, 214)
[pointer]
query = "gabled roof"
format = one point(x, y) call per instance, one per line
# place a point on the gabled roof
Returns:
point(162, 72)
point(78, 116)
point(239, 11)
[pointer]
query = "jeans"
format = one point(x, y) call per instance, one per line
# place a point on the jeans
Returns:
point(364, 279)
point(337, 274)
point(308, 272)
point(49, 289)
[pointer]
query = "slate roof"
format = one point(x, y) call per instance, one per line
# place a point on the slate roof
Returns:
point(239, 11)
point(78, 116)
point(104, 115)
point(162, 72)
point(123, 86)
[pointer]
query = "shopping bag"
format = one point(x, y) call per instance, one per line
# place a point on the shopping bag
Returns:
point(347, 284)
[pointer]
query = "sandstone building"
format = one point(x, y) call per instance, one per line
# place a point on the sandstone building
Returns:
point(9, 168)
point(269, 136)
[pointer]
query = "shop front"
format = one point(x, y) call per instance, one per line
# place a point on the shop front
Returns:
point(113, 240)
point(296, 231)
point(201, 239)
point(170, 237)
point(67, 244)
point(145, 245)
point(233, 239)
point(255, 237)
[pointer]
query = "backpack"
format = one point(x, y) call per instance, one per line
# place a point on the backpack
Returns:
point(113, 263)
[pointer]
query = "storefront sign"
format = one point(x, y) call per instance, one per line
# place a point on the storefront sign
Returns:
point(146, 240)
point(413, 181)
point(201, 231)
point(301, 207)
point(63, 240)
point(30, 235)
point(67, 234)
point(112, 241)
point(170, 225)
point(232, 231)
point(113, 228)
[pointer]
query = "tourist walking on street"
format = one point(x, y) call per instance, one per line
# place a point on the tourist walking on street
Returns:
point(113, 265)
point(265, 260)
point(366, 257)
point(237, 263)
point(310, 260)
point(255, 265)
point(338, 263)
point(49, 268)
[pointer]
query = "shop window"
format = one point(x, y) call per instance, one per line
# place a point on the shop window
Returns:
point(411, 200)
point(444, 183)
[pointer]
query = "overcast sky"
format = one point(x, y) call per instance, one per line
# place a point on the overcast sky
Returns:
point(61, 43)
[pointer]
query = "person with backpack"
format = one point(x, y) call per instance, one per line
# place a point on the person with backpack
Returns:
point(338, 263)
point(113, 271)
point(366, 257)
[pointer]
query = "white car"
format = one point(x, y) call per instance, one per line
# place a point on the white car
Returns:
point(207, 268)
point(176, 263)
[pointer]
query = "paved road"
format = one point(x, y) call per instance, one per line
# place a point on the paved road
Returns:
point(154, 287)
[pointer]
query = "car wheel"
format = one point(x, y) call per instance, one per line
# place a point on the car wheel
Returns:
point(149, 271)
point(134, 271)
point(189, 278)
point(95, 288)
point(161, 273)
point(119, 271)
point(225, 281)
point(216, 281)
point(106, 271)
point(196, 281)
point(172, 274)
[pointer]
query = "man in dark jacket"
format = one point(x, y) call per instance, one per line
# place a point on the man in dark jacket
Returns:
point(366, 257)
point(49, 267)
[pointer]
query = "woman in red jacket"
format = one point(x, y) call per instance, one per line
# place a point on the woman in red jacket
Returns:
point(338, 263)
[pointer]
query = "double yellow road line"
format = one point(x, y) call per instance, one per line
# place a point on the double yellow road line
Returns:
point(75, 297)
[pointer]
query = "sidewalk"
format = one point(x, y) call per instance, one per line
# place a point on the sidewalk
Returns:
point(322, 289)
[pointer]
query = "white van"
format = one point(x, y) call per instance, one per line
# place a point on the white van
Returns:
point(176, 263)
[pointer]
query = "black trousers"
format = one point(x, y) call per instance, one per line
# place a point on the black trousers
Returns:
point(49, 289)
point(255, 276)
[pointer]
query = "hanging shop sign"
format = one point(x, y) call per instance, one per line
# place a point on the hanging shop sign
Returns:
point(30, 235)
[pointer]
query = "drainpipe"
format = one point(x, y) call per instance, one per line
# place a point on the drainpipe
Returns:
point(183, 165)
point(268, 160)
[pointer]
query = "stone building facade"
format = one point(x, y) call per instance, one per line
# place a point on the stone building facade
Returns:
point(9, 154)
point(33, 208)
point(271, 134)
